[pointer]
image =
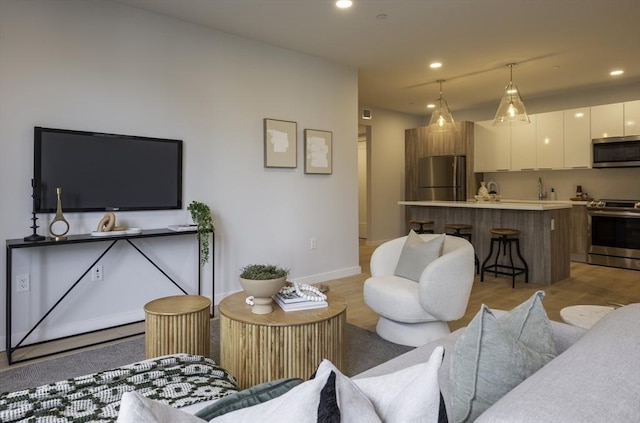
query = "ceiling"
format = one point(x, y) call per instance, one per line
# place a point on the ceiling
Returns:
point(560, 46)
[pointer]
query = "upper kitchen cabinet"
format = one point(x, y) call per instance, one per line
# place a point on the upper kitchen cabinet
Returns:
point(577, 138)
point(632, 117)
point(523, 145)
point(492, 147)
point(607, 120)
point(549, 140)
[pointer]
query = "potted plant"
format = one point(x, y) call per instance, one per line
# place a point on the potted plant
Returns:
point(201, 216)
point(262, 281)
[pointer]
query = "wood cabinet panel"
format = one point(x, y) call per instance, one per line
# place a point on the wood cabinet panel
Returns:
point(419, 142)
point(579, 233)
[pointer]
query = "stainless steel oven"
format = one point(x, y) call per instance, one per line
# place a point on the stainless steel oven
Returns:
point(614, 233)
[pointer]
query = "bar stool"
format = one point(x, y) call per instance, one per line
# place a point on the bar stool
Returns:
point(422, 223)
point(457, 228)
point(505, 237)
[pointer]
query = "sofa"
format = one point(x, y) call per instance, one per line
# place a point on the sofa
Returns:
point(586, 376)
point(595, 376)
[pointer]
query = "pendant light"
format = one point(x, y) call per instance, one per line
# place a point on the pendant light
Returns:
point(441, 119)
point(511, 108)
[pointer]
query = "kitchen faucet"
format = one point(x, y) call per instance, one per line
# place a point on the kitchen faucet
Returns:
point(541, 194)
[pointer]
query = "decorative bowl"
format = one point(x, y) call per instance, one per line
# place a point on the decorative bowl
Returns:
point(262, 290)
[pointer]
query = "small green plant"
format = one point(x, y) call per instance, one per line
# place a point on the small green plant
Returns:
point(201, 216)
point(263, 272)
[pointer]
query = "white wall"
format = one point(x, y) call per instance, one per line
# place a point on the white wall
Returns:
point(387, 176)
point(101, 66)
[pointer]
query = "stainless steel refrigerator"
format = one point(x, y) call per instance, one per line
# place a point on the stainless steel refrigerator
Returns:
point(442, 178)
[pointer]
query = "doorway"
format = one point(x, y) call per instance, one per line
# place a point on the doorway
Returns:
point(364, 137)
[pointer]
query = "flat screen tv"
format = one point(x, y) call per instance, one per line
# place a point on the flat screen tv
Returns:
point(106, 172)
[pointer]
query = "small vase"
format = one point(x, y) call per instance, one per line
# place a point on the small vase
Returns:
point(261, 291)
point(482, 191)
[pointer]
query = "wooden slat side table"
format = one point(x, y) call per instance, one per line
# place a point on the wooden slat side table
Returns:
point(177, 324)
point(257, 348)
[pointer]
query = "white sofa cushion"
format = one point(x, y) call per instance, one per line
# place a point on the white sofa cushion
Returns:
point(410, 395)
point(329, 395)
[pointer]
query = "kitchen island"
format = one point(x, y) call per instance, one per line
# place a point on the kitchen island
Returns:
point(544, 226)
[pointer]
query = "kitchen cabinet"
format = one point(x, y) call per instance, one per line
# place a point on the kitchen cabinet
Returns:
point(492, 147)
point(549, 140)
point(523, 145)
point(577, 138)
point(607, 120)
point(579, 237)
point(632, 117)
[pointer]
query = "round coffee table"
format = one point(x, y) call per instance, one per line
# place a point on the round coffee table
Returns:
point(257, 348)
point(584, 316)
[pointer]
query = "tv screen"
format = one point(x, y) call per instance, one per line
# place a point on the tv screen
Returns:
point(99, 172)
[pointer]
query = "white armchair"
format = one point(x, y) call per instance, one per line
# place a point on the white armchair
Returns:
point(414, 313)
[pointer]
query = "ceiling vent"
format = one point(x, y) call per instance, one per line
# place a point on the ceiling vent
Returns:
point(366, 114)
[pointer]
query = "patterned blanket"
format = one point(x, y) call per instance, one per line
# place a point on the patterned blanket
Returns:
point(177, 380)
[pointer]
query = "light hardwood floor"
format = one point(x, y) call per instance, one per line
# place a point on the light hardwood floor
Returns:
point(587, 285)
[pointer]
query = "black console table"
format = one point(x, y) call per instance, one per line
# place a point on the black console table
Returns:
point(13, 244)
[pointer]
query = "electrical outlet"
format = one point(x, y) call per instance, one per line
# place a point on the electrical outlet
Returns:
point(23, 283)
point(313, 244)
point(97, 273)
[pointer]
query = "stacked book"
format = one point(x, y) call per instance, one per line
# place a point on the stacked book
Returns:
point(294, 302)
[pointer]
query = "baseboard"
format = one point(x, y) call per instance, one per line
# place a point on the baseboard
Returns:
point(328, 276)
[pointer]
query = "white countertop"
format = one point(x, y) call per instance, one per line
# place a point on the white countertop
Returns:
point(498, 205)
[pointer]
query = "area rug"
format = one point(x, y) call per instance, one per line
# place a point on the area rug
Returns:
point(364, 350)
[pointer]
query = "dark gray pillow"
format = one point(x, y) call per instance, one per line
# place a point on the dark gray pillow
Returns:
point(417, 254)
point(246, 398)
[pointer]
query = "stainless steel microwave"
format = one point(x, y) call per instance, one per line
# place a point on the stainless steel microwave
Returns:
point(616, 152)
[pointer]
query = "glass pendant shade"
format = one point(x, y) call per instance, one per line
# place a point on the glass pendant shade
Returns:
point(441, 118)
point(511, 108)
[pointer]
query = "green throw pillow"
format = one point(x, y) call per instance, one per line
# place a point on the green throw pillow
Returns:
point(493, 356)
point(255, 395)
point(417, 254)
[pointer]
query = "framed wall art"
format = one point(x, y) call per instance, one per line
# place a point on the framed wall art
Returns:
point(280, 143)
point(318, 150)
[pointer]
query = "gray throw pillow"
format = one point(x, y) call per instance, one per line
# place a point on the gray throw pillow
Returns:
point(417, 254)
point(495, 355)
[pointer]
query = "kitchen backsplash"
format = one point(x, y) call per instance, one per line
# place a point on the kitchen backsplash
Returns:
point(618, 183)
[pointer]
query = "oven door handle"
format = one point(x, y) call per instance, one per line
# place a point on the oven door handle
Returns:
point(633, 215)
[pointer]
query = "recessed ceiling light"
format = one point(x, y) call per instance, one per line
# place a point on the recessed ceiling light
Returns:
point(382, 16)
point(431, 106)
point(435, 65)
point(616, 72)
point(344, 4)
